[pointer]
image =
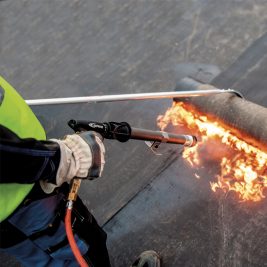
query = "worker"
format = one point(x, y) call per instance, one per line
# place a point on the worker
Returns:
point(34, 180)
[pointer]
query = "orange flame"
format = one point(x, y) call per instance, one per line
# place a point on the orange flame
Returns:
point(242, 166)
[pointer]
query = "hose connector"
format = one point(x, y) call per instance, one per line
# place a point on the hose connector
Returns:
point(74, 189)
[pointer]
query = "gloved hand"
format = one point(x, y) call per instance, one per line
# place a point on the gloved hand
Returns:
point(82, 155)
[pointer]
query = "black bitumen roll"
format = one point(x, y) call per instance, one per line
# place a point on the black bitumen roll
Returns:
point(246, 120)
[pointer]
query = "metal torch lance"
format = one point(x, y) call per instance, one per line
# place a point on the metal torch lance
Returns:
point(122, 132)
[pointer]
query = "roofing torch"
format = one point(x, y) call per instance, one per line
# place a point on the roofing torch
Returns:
point(122, 132)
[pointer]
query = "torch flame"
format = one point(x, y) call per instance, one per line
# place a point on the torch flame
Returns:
point(242, 166)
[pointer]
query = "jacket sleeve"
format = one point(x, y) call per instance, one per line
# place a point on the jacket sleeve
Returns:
point(27, 160)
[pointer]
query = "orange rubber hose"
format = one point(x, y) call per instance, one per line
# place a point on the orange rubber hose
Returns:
point(72, 241)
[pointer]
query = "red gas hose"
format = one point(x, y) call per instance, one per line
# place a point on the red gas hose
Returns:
point(70, 237)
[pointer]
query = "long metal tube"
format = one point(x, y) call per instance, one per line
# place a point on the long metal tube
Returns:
point(125, 97)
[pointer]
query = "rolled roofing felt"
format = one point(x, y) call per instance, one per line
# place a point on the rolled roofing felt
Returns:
point(246, 120)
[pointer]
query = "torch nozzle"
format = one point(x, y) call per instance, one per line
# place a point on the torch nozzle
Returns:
point(191, 140)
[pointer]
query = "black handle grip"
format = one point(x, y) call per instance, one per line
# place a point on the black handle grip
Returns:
point(120, 131)
point(81, 126)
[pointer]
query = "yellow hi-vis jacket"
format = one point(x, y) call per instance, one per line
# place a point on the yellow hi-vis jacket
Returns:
point(17, 116)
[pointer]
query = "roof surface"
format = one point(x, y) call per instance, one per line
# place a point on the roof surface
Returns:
point(78, 48)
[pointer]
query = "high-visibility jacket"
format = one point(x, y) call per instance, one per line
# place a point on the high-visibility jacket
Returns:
point(17, 116)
